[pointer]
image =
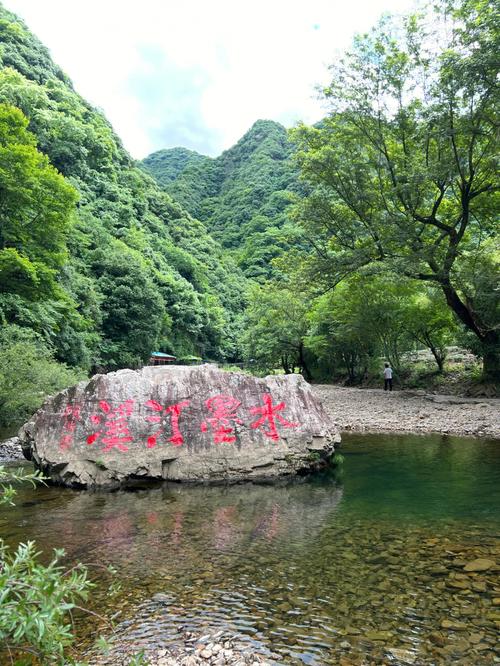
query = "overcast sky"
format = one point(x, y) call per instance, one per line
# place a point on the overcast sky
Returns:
point(198, 73)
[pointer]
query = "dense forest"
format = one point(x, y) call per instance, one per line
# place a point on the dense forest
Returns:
point(325, 249)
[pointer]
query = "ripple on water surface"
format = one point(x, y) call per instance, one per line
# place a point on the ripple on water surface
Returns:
point(371, 563)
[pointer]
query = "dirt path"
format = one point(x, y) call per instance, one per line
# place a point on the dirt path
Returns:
point(374, 410)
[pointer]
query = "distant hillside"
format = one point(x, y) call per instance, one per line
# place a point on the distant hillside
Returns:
point(242, 196)
point(139, 272)
point(168, 165)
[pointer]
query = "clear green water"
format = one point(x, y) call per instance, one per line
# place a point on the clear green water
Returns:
point(365, 564)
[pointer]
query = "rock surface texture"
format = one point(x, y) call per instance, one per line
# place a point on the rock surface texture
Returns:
point(178, 423)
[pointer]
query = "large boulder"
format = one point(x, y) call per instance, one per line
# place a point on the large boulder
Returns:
point(179, 423)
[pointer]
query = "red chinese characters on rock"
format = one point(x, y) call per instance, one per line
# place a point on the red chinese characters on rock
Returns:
point(223, 408)
point(269, 414)
point(175, 412)
point(112, 423)
point(115, 432)
point(71, 417)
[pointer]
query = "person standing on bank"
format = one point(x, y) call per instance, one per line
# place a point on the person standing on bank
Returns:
point(387, 377)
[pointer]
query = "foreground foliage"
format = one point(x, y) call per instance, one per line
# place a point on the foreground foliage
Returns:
point(36, 600)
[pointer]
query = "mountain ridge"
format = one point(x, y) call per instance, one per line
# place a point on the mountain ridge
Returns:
point(242, 195)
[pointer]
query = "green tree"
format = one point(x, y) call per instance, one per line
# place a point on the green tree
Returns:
point(132, 308)
point(339, 336)
point(430, 322)
point(362, 319)
point(36, 204)
point(404, 165)
point(28, 374)
point(276, 327)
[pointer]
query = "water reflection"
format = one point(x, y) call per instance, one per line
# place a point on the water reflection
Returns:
point(354, 564)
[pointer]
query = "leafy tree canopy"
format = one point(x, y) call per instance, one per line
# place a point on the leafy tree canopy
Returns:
point(404, 165)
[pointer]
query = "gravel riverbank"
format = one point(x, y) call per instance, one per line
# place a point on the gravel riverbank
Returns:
point(376, 410)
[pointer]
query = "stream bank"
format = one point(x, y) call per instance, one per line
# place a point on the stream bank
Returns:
point(418, 412)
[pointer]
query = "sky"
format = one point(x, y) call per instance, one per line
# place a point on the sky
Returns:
point(198, 73)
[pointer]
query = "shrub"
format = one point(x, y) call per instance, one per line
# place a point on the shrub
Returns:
point(28, 374)
point(36, 600)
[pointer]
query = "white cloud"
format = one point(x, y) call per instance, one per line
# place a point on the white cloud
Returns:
point(198, 73)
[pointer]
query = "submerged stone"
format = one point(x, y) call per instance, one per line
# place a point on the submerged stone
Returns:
point(179, 423)
point(481, 564)
point(454, 625)
point(379, 635)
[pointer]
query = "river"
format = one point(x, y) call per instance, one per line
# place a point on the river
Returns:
point(367, 563)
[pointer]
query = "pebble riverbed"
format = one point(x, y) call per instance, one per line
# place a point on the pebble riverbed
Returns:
point(216, 649)
point(376, 410)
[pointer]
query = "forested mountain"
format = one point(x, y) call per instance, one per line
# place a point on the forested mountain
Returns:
point(108, 267)
point(168, 166)
point(242, 196)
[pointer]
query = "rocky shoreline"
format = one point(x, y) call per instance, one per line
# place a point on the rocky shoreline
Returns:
point(10, 450)
point(417, 412)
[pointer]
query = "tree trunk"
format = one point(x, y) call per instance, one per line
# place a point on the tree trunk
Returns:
point(489, 339)
point(439, 354)
point(303, 365)
point(491, 356)
point(439, 358)
point(285, 365)
point(461, 310)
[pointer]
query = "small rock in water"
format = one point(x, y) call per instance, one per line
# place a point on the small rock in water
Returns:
point(402, 656)
point(481, 564)
point(437, 639)
point(189, 661)
point(455, 625)
point(378, 635)
point(161, 598)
